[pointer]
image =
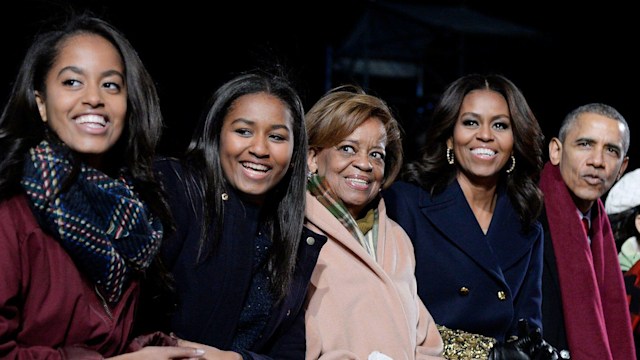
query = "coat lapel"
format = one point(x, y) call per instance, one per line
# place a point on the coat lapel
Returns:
point(449, 209)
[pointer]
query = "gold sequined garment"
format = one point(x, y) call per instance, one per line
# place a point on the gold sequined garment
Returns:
point(462, 345)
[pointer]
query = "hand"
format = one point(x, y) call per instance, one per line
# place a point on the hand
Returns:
point(163, 353)
point(542, 350)
point(211, 353)
point(514, 349)
point(537, 347)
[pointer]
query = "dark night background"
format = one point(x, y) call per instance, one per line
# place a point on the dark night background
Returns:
point(573, 55)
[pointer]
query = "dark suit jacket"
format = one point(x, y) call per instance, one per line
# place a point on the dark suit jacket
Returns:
point(469, 281)
point(211, 294)
point(554, 331)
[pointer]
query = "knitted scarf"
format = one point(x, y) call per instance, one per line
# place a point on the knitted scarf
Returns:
point(318, 187)
point(99, 220)
point(594, 302)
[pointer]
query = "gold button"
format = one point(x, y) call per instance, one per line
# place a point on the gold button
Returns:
point(311, 240)
point(502, 295)
point(464, 291)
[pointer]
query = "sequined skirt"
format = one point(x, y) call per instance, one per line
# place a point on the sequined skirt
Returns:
point(462, 345)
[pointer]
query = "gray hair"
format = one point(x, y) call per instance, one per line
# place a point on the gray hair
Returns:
point(600, 109)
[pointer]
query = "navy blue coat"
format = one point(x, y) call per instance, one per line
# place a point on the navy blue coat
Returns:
point(211, 295)
point(469, 281)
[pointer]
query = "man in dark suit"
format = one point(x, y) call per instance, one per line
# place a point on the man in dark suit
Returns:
point(584, 308)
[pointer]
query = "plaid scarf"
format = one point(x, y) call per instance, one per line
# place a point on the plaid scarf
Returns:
point(99, 220)
point(321, 190)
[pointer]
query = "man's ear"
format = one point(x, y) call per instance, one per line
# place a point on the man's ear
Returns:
point(555, 151)
point(623, 167)
point(42, 107)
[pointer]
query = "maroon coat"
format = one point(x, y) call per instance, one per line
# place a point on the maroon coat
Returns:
point(48, 309)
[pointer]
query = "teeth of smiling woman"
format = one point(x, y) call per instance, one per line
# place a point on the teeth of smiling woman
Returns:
point(358, 181)
point(256, 167)
point(483, 151)
point(91, 119)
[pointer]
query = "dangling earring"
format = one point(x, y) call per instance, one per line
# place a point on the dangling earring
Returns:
point(310, 174)
point(513, 165)
point(450, 156)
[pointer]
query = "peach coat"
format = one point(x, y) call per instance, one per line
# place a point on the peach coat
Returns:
point(358, 308)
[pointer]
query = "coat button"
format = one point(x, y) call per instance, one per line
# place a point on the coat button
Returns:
point(311, 240)
point(502, 295)
point(464, 291)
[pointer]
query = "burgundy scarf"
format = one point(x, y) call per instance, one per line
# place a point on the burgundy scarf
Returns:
point(594, 302)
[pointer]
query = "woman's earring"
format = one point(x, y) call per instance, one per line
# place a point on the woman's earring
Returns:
point(513, 165)
point(450, 156)
point(310, 174)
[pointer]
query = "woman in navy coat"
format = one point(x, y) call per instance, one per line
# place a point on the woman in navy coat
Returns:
point(240, 256)
point(470, 206)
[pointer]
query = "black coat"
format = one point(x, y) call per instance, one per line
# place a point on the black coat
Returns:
point(554, 330)
point(211, 294)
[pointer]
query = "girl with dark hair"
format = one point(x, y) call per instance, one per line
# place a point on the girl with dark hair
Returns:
point(82, 216)
point(240, 257)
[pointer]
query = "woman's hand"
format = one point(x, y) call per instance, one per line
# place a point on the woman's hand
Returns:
point(164, 353)
point(211, 353)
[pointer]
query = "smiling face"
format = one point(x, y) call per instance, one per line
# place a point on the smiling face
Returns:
point(590, 158)
point(85, 101)
point(354, 168)
point(256, 144)
point(482, 136)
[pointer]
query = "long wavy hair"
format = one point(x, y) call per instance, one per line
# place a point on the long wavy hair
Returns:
point(432, 171)
point(285, 203)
